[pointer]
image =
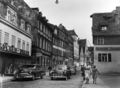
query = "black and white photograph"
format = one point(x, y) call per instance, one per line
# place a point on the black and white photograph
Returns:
point(59, 44)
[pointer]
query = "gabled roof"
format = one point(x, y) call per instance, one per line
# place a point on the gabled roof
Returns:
point(72, 32)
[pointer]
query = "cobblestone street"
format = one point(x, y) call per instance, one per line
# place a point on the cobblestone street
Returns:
point(74, 82)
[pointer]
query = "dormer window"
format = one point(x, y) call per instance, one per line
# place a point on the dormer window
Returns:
point(103, 28)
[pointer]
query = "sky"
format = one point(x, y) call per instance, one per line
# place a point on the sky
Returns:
point(74, 14)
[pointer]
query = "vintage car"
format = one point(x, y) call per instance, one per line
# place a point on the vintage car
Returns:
point(73, 70)
point(32, 71)
point(60, 71)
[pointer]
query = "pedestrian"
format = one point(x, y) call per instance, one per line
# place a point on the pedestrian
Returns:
point(83, 72)
point(94, 74)
point(49, 69)
point(87, 74)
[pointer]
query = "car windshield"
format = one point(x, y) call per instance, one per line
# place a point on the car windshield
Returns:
point(61, 67)
point(27, 66)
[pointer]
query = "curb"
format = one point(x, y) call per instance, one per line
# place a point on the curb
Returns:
point(6, 79)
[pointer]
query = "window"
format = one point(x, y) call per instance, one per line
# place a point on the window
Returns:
point(28, 28)
point(11, 16)
point(100, 40)
point(41, 26)
point(23, 45)
point(104, 57)
point(6, 38)
point(43, 44)
point(13, 40)
point(0, 35)
point(22, 24)
point(46, 45)
point(40, 42)
point(103, 28)
point(109, 57)
point(19, 43)
point(27, 47)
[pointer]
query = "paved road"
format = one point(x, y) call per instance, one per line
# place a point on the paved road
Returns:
point(111, 81)
point(74, 82)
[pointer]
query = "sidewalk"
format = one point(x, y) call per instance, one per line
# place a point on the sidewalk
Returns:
point(5, 78)
point(100, 84)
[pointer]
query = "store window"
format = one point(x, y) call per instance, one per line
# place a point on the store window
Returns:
point(104, 57)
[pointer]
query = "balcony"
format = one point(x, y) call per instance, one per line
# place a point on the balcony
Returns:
point(11, 49)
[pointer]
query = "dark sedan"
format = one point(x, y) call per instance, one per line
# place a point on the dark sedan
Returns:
point(32, 71)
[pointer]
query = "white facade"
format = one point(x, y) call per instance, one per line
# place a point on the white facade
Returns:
point(10, 31)
point(106, 58)
point(76, 47)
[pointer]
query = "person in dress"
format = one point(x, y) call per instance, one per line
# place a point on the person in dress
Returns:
point(87, 74)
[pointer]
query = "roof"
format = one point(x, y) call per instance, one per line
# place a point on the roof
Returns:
point(72, 32)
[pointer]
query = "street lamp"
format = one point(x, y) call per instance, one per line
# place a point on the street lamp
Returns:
point(56, 1)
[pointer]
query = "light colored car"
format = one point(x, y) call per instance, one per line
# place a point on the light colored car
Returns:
point(32, 71)
point(60, 71)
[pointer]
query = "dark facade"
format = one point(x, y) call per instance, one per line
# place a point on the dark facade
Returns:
point(58, 50)
point(68, 46)
point(42, 40)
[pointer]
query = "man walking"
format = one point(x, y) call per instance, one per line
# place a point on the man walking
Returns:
point(94, 74)
point(83, 72)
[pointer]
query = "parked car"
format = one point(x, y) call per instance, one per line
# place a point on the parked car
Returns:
point(32, 71)
point(60, 71)
point(73, 70)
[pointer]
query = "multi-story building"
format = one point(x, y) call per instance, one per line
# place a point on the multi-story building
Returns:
point(58, 50)
point(106, 36)
point(68, 53)
point(76, 46)
point(15, 35)
point(42, 40)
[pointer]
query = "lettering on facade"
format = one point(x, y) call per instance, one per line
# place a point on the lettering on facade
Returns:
point(107, 48)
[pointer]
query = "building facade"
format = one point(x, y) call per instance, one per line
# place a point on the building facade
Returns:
point(15, 36)
point(106, 36)
point(42, 40)
point(68, 53)
point(76, 46)
point(58, 49)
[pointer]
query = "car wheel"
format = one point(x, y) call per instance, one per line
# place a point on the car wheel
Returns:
point(51, 78)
